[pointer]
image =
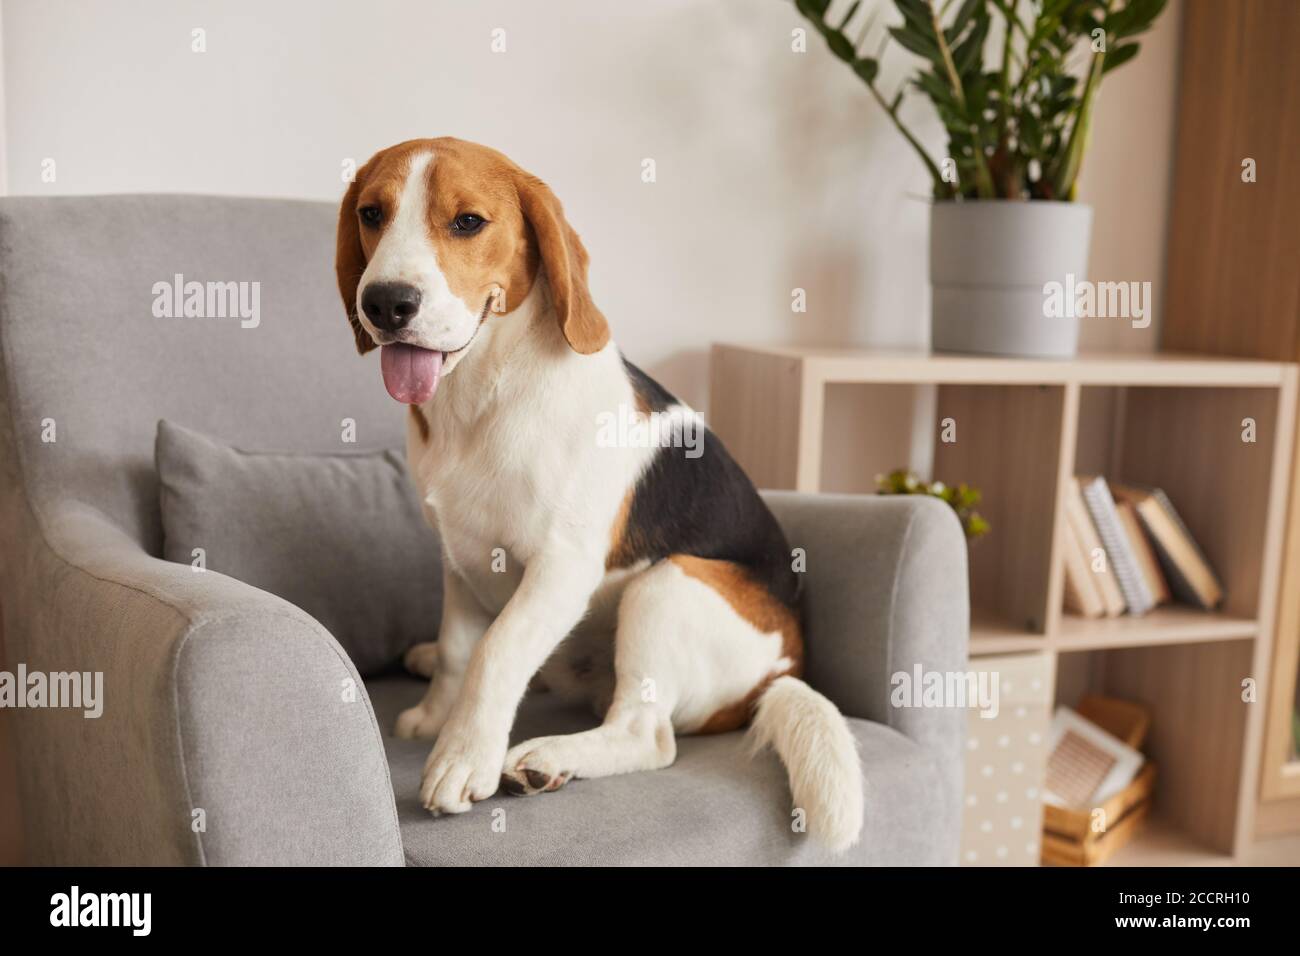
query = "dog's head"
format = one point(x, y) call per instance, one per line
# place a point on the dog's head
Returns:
point(437, 237)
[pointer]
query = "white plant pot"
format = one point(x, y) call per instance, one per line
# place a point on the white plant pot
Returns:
point(989, 263)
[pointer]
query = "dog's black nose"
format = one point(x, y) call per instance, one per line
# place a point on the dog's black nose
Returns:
point(390, 305)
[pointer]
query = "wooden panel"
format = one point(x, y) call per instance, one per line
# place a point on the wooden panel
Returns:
point(870, 430)
point(1174, 624)
point(1101, 423)
point(992, 634)
point(756, 408)
point(911, 367)
point(1280, 781)
point(1232, 284)
point(1066, 451)
point(1277, 817)
point(1010, 442)
point(1198, 730)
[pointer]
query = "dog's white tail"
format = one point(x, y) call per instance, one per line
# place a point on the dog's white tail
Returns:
point(820, 755)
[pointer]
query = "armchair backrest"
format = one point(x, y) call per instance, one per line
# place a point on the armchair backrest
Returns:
point(219, 313)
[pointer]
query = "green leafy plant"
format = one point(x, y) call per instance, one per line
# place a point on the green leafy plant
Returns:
point(962, 499)
point(1017, 128)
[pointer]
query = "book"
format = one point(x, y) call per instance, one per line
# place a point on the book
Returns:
point(1101, 507)
point(1076, 513)
point(1190, 576)
point(1086, 764)
point(1148, 562)
point(1081, 594)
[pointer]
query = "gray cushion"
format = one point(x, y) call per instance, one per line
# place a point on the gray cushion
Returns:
point(715, 804)
point(340, 536)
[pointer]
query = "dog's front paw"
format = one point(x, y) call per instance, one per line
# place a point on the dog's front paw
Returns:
point(536, 766)
point(458, 774)
point(420, 722)
point(422, 659)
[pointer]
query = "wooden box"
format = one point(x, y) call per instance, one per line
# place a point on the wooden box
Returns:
point(1087, 838)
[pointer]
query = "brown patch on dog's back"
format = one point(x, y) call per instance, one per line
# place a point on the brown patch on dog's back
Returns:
point(737, 715)
point(764, 611)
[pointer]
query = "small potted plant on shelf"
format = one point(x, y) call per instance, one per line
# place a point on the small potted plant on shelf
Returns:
point(962, 499)
point(1004, 222)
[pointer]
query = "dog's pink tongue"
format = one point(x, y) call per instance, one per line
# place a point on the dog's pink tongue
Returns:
point(410, 372)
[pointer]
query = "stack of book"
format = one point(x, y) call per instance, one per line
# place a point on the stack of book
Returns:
point(1127, 551)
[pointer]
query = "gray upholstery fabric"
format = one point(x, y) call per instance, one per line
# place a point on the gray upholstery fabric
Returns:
point(886, 590)
point(218, 696)
point(714, 805)
point(223, 698)
point(85, 349)
point(341, 536)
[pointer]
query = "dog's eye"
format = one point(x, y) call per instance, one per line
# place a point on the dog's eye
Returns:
point(371, 215)
point(467, 224)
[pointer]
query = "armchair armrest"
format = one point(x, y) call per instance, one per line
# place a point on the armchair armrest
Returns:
point(885, 590)
point(234, 730)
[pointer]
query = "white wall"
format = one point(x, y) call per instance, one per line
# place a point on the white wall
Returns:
point(1128, 178)
point(775, 169)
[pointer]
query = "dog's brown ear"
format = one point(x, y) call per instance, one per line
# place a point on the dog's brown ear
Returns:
point(350, 261)
point(565, 260)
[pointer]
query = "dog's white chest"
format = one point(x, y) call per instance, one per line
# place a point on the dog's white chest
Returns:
point(512, 466)
point(483, 512)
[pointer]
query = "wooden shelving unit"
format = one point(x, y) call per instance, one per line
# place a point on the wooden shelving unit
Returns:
point(1231, 287)
point(1023, 428)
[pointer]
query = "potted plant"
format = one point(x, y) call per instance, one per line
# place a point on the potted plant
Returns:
point(1004, 222)
point(961, 499)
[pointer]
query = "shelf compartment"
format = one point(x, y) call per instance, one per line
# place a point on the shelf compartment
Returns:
point(1008, 443)
point(1188, 441)
point(1194, 692)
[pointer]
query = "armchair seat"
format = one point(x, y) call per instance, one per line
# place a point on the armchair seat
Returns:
point(715, 804)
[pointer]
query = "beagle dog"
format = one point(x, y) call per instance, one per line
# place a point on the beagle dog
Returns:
point(645, 577)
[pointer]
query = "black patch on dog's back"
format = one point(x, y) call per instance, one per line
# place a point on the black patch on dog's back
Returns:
point(655, 396)
point(704, 506)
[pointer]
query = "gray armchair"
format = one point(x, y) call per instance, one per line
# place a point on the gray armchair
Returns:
point(223, 738)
